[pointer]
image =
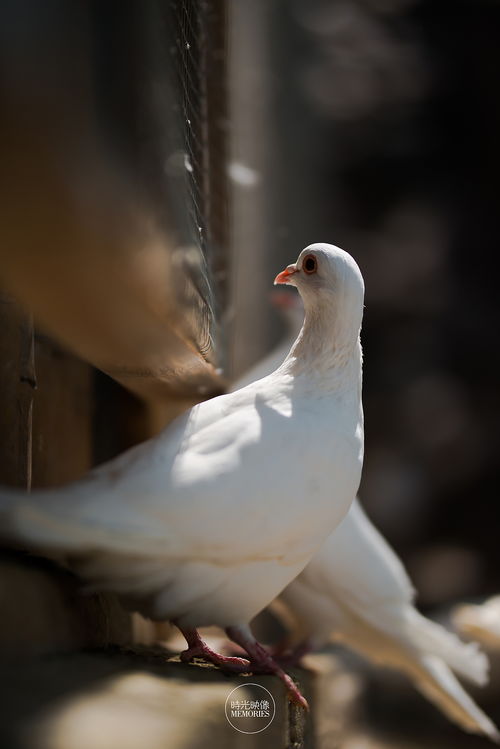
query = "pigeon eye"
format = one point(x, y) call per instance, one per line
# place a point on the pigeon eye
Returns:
point(310, 264)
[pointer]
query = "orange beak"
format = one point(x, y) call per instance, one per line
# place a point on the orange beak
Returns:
point(284, 276)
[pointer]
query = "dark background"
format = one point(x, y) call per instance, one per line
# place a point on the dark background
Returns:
point(377, 131)
point(386, 116)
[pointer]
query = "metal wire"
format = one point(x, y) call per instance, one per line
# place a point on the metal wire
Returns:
point(198, 56)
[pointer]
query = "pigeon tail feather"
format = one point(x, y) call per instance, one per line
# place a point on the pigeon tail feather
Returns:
point(434, 680)
point(38, 520)
point(465, 658)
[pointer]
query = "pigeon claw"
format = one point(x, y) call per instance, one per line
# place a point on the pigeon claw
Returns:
point(197, 648)
point(266, 667)
point(262, 662)
point(241, 665)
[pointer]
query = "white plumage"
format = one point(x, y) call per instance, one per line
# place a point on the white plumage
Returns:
point(355, 590)
point(481, 621)
point(209, 521)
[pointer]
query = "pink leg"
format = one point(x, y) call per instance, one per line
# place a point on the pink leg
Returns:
point(294, 656)
point(262, 662)
point(198, 648)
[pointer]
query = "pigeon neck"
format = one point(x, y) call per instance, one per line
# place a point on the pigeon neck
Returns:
point(326, 351)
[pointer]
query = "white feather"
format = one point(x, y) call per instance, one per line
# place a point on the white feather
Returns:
point(356, 591)
point(481, 621)
point(206, 523)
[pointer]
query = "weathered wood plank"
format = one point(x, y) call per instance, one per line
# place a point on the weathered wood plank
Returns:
point(62, 415)
point(17, 382)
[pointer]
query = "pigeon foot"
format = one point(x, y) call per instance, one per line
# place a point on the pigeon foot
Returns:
point(262, 662)
point(197, 648)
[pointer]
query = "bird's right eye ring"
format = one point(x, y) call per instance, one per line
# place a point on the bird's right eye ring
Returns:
point(310, 264)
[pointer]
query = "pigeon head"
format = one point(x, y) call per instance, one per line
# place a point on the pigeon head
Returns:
point(330, 284)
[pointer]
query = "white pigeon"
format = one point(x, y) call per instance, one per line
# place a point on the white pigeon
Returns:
point(356, 591)
point(207, 523)
point(481, 621)
point(291, 309)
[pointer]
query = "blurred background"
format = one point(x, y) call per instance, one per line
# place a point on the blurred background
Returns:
point(162, 161)
point(385, 117)
point(382, 118)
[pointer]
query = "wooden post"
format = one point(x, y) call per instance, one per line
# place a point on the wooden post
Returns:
point(17, 387)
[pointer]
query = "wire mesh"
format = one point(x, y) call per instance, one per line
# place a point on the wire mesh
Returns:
point(199, 59)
